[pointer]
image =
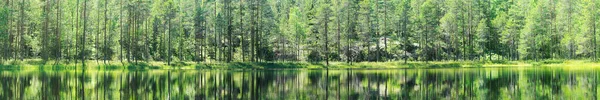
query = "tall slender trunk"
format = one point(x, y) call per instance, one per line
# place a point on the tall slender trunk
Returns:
point(77, 54)
point(252, 32)
point(6, 48)
point(338, 39)
point(348, 31)
point(76, 29)
point(58, 33)
point(326, 45)
point(217, 36)
point(229, 31)
point(84, 32)
point(9, 54)
point(595, 54)
point(469, 26)
point(257, 31)
point(20, 43)
point(130, 29)
point(404, 34)
point(105, 50)
point(45, 38)
point(385, 30)
point(377, 32)
point(169, 41)
point(121, 31)
point(197, 35)
point(242, 32)
point(427, 56)
point(326, 19)
point(97, 34)
point(147, 55)
point(203, 42)
point(368, 39)
point(594, 37)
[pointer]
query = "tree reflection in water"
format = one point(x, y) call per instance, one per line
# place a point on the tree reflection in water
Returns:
point(490, 83)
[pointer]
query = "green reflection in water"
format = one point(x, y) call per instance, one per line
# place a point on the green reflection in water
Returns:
point(470, 83)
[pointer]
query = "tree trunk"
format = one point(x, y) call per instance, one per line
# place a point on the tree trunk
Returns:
point(58, 33)
point(339, 38)
point(105, 50)
point(348, 32)
point(97, 33)
point(169, 40)
point(122, 34)
point(84, 32)
point(385, 30)
point(377, 32)
point(326, 39)
point(594, 33)
point(76, 52)
point(45, 38)
point(20, 43)
point(229, 32)
point(242, 32)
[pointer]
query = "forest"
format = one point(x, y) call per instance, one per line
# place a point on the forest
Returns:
point(297, 30)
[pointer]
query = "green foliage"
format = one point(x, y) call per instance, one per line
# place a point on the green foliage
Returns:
point(307, 30)
point(552, 61)
point(449, 65)
point(314, 56)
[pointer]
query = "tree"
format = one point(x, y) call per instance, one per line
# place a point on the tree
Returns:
point(199, 24)
point(565, 26)
point(324, 21)
point(298, 28)
point(169, 15)
point(305, 30)
point(84, 33)
point(587, 20)
point(4, 30)
point(229, 19)
point(351, 24)
point(429, 15)
point(484, 36)
point(402, 10)
point(449, 25)
point(44, 51)
point(241, 29)
point(106, 41)
point(531, 32)
point(58, 43)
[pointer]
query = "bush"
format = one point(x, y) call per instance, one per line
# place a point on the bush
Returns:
point(334, 56)
point(314, 56)
point(449, 65)
point(16, 62)
point(552, 61)
point(499, 62)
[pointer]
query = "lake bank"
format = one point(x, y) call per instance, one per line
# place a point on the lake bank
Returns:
point(92, 64)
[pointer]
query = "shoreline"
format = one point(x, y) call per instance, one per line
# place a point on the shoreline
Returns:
point(92, 64)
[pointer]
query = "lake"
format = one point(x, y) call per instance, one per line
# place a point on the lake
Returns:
point(458, 83)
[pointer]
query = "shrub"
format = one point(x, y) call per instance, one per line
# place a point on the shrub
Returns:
point(314, 56)
point(552, 61)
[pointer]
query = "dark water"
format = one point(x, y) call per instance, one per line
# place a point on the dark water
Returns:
point(471, 83)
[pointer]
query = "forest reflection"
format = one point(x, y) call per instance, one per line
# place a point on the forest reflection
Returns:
point(469, 83)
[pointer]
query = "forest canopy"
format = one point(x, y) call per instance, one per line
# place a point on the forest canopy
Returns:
point(298, 30)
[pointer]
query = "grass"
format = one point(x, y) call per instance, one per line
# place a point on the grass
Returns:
point(92, 64)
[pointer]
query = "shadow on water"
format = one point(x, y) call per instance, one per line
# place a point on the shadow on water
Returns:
point(472, 83)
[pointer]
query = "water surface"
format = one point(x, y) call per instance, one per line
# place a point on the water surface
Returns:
point(466, 83)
